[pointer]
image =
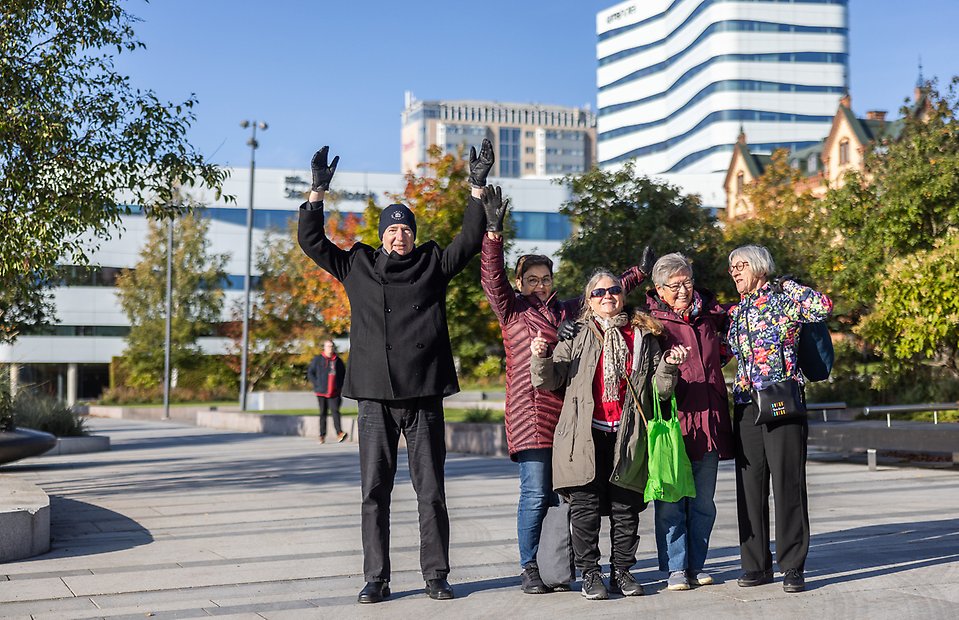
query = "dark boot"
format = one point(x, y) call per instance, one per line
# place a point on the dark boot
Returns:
point(755, 578)
point(374, 592)
point(439, 589)
point(793, 581)
point(532, 582)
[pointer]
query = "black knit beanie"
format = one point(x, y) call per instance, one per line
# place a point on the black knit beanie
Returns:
point(397, 214)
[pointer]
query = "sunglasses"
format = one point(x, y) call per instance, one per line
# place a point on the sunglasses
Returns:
point(601, 292)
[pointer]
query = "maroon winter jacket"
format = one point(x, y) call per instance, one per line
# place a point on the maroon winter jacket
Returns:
point(701, 395)
point(531, 414)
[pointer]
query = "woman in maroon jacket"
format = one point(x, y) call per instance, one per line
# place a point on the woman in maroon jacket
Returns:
point(531, 414)
point(692, 317)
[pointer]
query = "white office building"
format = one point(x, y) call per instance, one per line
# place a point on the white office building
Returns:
point(71, 360)
point(679, 79)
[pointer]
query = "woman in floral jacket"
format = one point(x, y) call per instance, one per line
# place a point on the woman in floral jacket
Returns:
point(764, 335)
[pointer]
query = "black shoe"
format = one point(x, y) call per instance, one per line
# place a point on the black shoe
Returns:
point(793, 580)
point(755, 578)
point(532, 582)
point(622, 581)
point(593, 587)
point(374, 592)
point(439, 589)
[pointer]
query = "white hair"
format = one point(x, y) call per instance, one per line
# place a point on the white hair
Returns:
point(757, 256)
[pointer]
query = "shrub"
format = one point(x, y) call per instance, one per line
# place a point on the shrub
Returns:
point(6, 411)
point(127, 395)
point(489, 368)
point(43, 413)
point(479, 415)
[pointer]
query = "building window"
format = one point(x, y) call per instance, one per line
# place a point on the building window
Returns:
point(811, 164)
point(740, 181)
point(844, 152)
point(509, 151)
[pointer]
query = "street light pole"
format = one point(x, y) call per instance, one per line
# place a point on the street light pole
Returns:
point(169, 320)
point(244, 358)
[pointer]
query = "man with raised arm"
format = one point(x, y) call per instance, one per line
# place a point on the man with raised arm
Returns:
point(401, 361)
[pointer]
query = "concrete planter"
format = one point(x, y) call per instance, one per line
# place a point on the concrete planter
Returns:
point(476, 438)
point(79, 445)
point(24, 520)
point(22, 443)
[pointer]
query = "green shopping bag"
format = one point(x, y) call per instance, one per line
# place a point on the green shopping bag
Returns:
point(670, 473)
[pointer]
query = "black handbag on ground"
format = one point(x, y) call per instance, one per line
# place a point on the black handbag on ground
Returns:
point(780, 401)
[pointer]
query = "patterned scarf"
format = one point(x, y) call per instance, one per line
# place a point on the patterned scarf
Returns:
point(693, 309)
point(615, 353)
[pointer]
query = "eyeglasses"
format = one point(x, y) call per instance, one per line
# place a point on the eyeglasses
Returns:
point(686, 284)
point(601, 292)
point(738, 267)
point(533, 281)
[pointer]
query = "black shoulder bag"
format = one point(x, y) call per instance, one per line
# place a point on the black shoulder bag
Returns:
point(783, 400)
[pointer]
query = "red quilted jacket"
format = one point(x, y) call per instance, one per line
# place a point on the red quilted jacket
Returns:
point(531, 414)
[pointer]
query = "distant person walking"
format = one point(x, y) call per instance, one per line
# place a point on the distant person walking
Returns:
point(326, 372)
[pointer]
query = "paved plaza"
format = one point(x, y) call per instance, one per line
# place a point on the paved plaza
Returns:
point(183, 522)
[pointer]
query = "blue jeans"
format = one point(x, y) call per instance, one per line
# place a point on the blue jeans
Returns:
point(535, 496)
point(683, 527)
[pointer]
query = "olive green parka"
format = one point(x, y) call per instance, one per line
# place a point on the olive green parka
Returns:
point(572, 366)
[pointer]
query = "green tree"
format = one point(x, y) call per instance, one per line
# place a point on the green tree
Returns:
point(77, 144)
point(439, 198)
point(615, 213)
point(197, 298)
point(906, 200)
point(916, 313)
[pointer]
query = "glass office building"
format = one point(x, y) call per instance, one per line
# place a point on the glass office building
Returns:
point(679, 79)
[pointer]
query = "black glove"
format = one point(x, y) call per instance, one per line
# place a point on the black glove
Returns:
point(495, 208)
point(567, 330)
point(323, 172)
point(647, 261)
point(480, 166)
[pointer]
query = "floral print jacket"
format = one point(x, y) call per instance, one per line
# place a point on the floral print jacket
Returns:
point(765, 323)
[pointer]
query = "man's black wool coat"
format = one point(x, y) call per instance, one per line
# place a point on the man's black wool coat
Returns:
point(399, 340)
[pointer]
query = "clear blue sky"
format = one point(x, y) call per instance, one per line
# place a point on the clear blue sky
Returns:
point(334, 72)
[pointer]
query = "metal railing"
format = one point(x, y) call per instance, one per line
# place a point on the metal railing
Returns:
point(824, 408)
point(935, 408)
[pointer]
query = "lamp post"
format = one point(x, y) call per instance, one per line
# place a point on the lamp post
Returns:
point(249, 252)
point(168, 321)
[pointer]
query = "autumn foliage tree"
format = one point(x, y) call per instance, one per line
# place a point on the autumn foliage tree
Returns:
point(296, 306)
point(438, 198)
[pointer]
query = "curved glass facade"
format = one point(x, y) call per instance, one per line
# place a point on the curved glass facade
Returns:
point(781, 66)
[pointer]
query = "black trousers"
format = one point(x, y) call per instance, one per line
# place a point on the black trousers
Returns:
point(778, 451)
point(587, 505)
point(333, 406)
point(421, 422)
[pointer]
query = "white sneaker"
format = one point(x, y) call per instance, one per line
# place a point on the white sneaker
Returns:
point(700, 578)
point(677, 581)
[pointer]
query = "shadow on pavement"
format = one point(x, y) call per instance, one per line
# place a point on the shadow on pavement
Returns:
point(875, 550)
point(78, 528)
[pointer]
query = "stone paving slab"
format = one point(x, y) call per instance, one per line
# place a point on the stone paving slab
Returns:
point(182, 522)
